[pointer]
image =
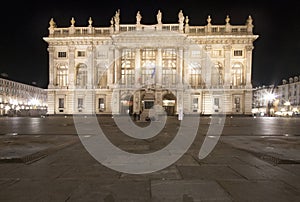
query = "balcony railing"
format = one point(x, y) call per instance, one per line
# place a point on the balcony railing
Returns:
point(190, 30)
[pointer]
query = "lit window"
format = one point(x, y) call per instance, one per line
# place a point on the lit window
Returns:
point(128, 67)
point(237, 74)
point(101, 105)
point(62, 54)
point(80, 53)
point(80, 104)
point(81, 75)
point(61, 103)
point(62, 75)
point(238, 53)
point(169, 61)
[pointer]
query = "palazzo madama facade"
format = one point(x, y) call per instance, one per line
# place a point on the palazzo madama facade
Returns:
point(127, 68)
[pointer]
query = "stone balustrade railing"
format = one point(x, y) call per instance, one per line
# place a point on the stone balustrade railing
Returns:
point(180, 27)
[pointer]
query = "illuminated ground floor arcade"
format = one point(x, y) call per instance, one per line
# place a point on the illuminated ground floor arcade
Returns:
point(129, 101)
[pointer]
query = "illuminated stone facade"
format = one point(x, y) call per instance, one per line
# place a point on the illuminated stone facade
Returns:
point(132, 67)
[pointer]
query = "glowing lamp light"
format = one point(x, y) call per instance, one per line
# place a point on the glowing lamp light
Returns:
point(270, 96)
point(7, 108)
point(34, 102)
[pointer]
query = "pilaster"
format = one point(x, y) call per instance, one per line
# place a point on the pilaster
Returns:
point(72, 71)
point(227, 77)
point(51, 67)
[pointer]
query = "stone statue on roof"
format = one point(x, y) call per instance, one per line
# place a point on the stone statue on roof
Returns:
point(180, 17)
point(117, 17)
point(158, 17)
point(138, 17)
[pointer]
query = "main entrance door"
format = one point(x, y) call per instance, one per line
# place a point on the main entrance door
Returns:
point(127, 104)
point(169, 103)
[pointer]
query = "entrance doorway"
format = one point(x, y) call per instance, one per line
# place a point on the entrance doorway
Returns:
point(127, 105)
point(169, 103)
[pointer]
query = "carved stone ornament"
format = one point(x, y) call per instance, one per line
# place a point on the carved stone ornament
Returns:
point(90, 21)
point(52, 23)
point(208, 20)
point(72, 22)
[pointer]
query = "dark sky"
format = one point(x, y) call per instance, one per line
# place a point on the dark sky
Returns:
point(24, 55)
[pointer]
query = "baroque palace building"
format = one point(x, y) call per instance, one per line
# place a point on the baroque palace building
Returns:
point(130, 68)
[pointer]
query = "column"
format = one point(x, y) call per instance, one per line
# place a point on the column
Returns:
point(180, 65)
point(158, 71)
point(90, 67)
point(227, 67)
point(72, 72)
point(248, 68)
point(117, 66)
point(110, 68)
point(207, 67)
point(51, 67)
point(186, 67)
point(138, 76)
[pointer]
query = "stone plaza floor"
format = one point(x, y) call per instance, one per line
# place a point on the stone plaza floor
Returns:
point(255, 159)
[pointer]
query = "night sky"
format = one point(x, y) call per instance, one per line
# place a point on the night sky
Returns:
point(24, 55)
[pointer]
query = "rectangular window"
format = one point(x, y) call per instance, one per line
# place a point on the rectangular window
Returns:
point(238, 53)
point(237, 104)
point(80, 103)
point(80, 53)
point(169, 61)
point(216, 104)
point(101, 105)
point(62, 54)
point(128, 67)
point(217, 53)
point(61, 103)
point(195, 104)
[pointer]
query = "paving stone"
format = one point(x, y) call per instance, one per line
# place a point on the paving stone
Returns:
point(293, 168)
point(187, 160)
point(260, 190)
point(212, 172)
point(249, 172)
point(167, 173)
point(117, 190)
point(275, 172)
point(187, 190)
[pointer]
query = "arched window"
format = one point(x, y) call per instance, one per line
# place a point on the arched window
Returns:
point(217, 74)
point(237, 74)
point(101, 75)
point(62, 75)
point(195, 72)
point(81, 75)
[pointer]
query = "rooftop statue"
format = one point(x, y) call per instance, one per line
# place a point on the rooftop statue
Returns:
point(138, 17)
point(158, 17)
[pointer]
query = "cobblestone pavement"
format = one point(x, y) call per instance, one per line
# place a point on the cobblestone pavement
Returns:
point(256, 159)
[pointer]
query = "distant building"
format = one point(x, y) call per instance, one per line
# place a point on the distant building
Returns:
point(263, 97)
point(18, 99)
point(288, 95)
point(127, 68)
point(282, 100)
